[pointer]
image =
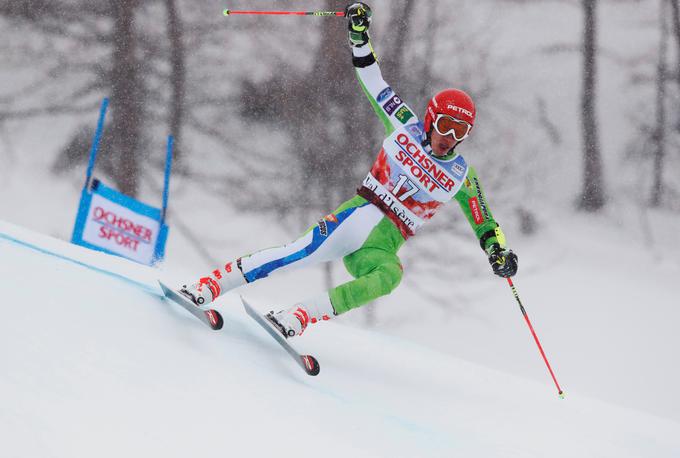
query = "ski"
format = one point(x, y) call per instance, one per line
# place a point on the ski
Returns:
point(210, 318)
point(307, 362)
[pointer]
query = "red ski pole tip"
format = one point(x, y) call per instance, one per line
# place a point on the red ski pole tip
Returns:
point(225, 12)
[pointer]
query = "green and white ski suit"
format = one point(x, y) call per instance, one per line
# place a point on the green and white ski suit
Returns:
point(404, 189)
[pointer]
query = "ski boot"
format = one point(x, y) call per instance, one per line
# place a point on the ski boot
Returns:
point(201, 293)
point(293, 321)
point(207, 289)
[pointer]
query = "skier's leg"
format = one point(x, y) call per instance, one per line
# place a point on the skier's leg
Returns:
point(376, 268)
point(333, 237)
point(377, 271)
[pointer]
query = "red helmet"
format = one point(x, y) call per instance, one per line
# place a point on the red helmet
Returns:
point(452, 102)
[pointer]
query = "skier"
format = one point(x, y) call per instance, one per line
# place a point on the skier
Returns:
point(416, 172)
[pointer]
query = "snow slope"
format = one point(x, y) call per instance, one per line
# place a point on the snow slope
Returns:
point(95, 364)
point(601, 289)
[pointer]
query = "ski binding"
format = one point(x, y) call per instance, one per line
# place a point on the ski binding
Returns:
point(308, 363)
point(210, 317)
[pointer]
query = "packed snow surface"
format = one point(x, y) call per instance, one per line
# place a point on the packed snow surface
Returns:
point(95, 363)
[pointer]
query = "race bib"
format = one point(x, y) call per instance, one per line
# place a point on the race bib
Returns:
point(412, 183)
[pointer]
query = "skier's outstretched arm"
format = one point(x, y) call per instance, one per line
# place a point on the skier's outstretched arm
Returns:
point(473, 202)
point(386, 103)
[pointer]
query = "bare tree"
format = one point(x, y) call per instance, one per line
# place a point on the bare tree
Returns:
point(397, 38)
point(593, 192)
point(76, 78)
point(323, 113)
point(127, 98)
point(75, 82)
point(660, 130)
point(177, 75)
point(675, 15)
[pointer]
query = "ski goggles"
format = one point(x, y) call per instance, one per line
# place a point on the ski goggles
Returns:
point(445, 125)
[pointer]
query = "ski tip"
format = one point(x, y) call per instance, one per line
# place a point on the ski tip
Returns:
point(311, 365)
point(215, 319)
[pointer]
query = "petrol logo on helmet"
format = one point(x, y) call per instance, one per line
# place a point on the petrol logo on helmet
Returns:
point(459, 109)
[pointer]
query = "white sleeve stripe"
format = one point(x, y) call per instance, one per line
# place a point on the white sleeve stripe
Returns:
point(361, 52)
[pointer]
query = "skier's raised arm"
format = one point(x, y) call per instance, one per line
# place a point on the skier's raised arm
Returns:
point(384, 100)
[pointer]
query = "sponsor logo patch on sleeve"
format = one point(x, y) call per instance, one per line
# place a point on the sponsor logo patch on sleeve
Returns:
point(416, 130)
point(475, 210)
point(392, 104)
point(384, 94)
point(403, 114)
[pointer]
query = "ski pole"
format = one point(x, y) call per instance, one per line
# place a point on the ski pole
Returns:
point(540, 348)
point(228, 12)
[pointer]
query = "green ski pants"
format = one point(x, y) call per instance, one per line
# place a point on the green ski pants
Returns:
point(360, 234)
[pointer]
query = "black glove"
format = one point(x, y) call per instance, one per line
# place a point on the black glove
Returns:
point(503, 262)
point(359, 15)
